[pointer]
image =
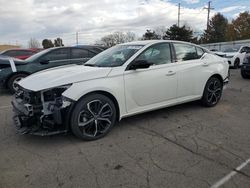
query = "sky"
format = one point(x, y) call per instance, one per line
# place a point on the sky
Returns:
point(92, 19)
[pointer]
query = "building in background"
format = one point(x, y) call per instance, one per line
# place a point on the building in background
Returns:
point(7, 47)
point(222, 46)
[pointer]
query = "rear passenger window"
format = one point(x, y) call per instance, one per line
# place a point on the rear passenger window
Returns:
point(185, 52)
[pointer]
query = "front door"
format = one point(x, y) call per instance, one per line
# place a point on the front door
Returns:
point(148, 88)
point(54, 58)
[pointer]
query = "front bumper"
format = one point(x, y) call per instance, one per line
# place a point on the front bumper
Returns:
point(226, 80)
point(29, 119)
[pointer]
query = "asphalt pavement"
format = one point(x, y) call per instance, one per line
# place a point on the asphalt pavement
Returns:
point(186, 146)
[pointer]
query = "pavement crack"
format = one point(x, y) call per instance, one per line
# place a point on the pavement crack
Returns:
point(148, 180)
point(190, 150)
point(222, 148)
point(92, 167)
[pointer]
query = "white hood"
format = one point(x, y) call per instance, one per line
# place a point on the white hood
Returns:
point(62, 76)
point(230, 53)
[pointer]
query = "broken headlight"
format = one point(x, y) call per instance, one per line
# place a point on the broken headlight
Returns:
point(52, 99)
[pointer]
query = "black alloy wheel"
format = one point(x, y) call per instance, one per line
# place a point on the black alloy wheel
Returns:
point(212, 92)
point(13, 81)
point(93, 117)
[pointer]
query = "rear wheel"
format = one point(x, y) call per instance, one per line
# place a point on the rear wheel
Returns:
point(13, 81)
point(93, 117)
point(212, 92)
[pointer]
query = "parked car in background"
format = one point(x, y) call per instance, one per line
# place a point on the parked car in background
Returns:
point(124, 80)
point(12, 72)
point(236, 55)
point(216, 52)
point(20, 53)
point(93, 47)
point(245, 68)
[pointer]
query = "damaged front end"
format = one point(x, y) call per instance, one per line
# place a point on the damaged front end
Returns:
point(41, 113)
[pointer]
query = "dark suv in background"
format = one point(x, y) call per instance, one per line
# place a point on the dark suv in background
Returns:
point(245, 68)
point(13, 70)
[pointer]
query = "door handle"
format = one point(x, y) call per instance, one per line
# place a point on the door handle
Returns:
point(170, 73)
point(205, 64)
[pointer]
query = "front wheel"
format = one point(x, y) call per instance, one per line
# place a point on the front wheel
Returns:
point(212, 92)
point(93, 117)
point(13, 81)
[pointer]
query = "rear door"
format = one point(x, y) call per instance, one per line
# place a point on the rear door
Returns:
point(191, 69)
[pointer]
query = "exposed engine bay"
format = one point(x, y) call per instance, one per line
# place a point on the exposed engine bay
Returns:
point(41, 113)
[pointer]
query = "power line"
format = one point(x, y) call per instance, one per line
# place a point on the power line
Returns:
point(77, 38)
point(208, 12)
point(179, 7)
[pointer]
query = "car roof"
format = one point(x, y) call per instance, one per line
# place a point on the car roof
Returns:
point(150, 42)
point(147, 42)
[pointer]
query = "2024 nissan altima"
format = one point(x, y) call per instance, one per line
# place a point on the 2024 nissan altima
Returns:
point(122, 81)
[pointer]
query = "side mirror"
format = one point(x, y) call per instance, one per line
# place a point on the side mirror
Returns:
point(44, 61)
point(140, 64)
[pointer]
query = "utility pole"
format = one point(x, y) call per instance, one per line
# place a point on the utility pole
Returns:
point(208, 12)
point(179, 7)
point(77, 38)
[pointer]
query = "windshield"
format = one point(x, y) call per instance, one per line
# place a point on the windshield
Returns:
point(234, 49)
point(37, 55)
point(114, 57)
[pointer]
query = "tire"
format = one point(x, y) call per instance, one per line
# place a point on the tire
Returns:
point(11, 84)
point(244, 75)
point(237, 63)
point(212, 92)
point(93, 117)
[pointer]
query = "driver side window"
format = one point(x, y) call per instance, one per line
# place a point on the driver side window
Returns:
point(59, 54)
point(157, 54)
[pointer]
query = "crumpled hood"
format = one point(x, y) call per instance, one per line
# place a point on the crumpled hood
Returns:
point(62, 76)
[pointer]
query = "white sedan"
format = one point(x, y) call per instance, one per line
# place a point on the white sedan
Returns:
point(122, 81)
point(236, 55)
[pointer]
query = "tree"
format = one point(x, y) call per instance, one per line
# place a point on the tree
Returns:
point(241, 26)
point(231, 33)
point(160, 31)
point(58, 42)
point(130, 36)
point(33, 43)
point(117, 38)
point(150, 35)
point(47, 43)
point(179, 33)
point(216, 31)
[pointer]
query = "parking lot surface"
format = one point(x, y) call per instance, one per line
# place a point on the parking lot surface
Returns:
point(183, 146)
